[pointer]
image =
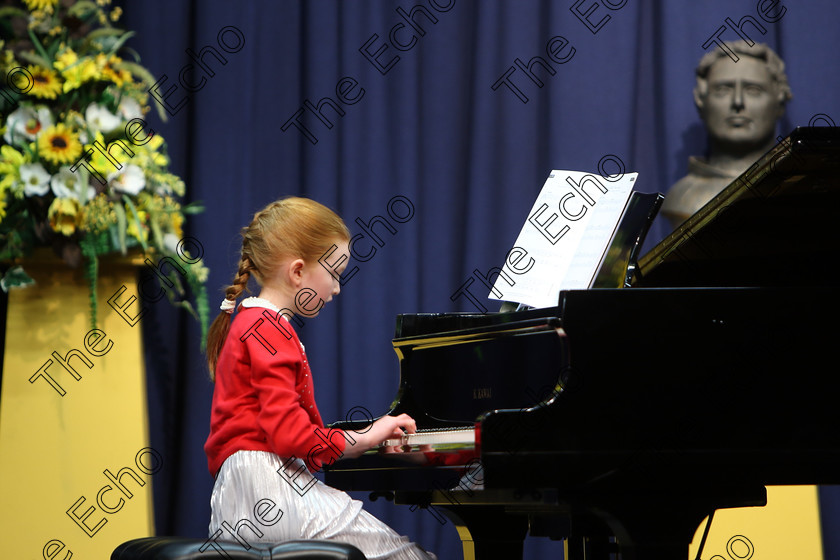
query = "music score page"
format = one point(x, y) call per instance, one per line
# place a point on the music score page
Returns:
point(564, 240)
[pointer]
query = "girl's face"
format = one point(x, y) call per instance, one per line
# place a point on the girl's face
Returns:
point(320, 280)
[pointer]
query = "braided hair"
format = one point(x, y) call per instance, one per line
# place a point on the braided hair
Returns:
point(291, 227)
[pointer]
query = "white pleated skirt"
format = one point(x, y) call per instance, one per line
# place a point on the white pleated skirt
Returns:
point(281, 501)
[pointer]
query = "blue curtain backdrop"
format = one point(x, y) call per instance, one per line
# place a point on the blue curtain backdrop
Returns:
point(421, 121)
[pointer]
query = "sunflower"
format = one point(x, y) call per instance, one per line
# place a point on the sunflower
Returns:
point(75, 74)
point(111, 71)
point(65, 60)
point(45, 82)
point(59, 145)
point(47, 5)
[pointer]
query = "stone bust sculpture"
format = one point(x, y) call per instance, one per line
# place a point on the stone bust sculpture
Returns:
point(739, 103)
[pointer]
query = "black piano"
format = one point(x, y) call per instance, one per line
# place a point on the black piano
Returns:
point(623, 416)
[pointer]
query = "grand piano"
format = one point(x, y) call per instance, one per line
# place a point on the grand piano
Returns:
point(623, 416)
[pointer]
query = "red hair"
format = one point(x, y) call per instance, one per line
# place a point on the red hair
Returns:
point(291, 227)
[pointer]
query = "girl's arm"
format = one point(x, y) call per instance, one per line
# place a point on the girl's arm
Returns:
point(387, 427)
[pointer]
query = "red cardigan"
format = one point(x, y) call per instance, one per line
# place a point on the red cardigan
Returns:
point(263, 398)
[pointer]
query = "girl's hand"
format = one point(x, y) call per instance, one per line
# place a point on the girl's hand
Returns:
point(387, 427)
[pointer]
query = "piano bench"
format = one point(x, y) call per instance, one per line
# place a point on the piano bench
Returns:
point(182, 548)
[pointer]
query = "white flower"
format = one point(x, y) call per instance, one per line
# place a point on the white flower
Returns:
point(66, 184)
point(101, 119)
point(129, 109)
point(36, 180)
point(170, 242)
point(24, 124)
point(129, 180)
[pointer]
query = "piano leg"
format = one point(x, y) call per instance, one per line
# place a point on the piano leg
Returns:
point(585, 537)
point(589, 548)
point(488, 533)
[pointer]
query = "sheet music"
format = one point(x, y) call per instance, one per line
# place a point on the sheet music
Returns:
point(564, 238)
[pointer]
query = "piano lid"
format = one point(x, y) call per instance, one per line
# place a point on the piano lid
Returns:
point(775, 225)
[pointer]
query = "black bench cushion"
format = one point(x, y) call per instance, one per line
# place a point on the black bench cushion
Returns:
point(182, 548)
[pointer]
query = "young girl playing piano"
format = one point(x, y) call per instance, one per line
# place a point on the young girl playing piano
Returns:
point(266, 435)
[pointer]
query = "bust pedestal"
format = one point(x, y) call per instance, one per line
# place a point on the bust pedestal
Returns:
point(75, 463)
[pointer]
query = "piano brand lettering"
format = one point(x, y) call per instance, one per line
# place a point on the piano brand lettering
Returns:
point(229, 38)
point(544, 222)
point(771, 11)
point(556, 45)
point(403, 37)
point(482, 393)
point(265, 515)
point(109, 498)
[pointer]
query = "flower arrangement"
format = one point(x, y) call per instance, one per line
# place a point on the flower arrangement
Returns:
point(78, 171)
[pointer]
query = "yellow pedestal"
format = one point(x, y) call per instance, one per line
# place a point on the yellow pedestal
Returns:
point(787, 527)
point(76, 468)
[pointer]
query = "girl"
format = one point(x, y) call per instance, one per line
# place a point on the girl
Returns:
point(266, 435)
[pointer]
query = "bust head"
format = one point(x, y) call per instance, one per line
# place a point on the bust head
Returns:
point(741, 101)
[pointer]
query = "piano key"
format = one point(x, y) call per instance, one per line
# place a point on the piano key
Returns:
point(455, 436)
